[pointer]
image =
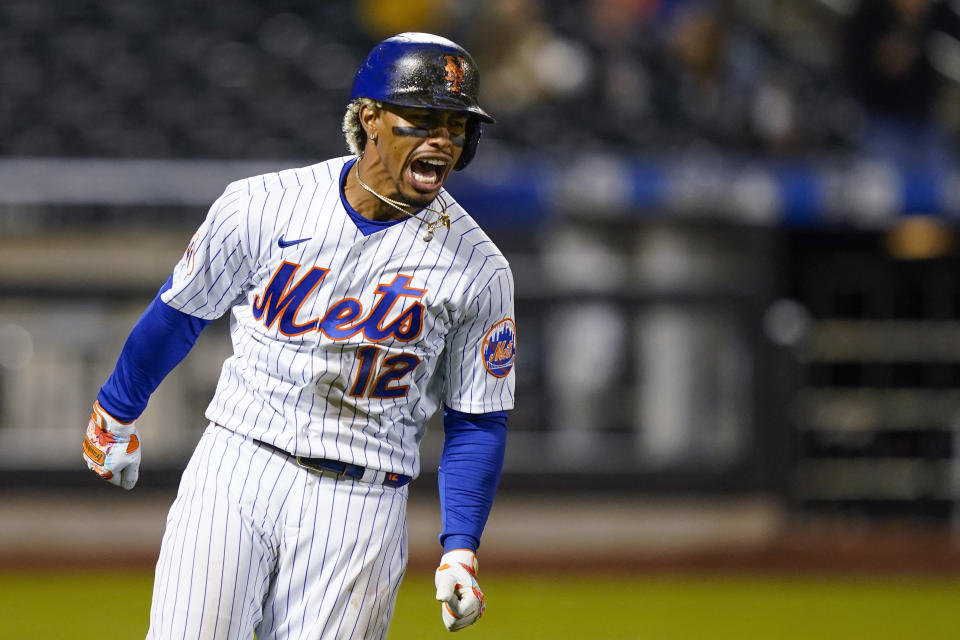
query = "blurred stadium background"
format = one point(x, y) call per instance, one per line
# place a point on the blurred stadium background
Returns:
point(732, 225)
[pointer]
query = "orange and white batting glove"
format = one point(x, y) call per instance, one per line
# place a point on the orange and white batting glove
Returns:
point(461, 600)
point(111, 448)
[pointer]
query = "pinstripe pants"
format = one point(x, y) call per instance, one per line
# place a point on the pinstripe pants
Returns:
point(253, 542)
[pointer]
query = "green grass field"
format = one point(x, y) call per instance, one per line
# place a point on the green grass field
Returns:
point(78, 606)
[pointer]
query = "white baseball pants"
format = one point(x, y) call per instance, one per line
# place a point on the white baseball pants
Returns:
point(254, 542)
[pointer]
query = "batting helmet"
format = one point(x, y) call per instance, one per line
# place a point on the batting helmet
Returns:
point(424, 71)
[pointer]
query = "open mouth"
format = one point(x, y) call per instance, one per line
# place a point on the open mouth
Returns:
point(426, 174)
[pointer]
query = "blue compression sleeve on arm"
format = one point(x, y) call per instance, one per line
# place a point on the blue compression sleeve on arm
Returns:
point(158, 342)
point(470, 466)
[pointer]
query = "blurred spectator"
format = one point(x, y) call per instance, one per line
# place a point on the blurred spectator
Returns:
point(889, 49)
point(383, 18)
point(529, 70)
point(621, 41)
point(717, 82)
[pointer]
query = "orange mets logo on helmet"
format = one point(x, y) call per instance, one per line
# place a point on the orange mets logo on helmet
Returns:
point(455, 73)
point(499, 348)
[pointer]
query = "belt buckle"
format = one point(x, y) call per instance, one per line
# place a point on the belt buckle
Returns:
point(321, 470)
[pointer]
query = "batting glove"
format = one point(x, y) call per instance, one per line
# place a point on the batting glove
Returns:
point(461, 600)
point(111, 448)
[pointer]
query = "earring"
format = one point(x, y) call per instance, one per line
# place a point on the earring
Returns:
point(373, 136)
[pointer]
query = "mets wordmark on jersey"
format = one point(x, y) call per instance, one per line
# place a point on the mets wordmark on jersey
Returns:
point(346, 340)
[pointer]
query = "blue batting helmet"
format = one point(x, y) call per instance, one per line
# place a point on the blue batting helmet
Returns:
point(422, 70)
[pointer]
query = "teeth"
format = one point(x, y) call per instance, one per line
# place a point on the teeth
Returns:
point(431, 179)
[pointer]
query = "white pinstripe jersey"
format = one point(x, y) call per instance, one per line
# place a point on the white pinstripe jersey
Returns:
point(346, 343)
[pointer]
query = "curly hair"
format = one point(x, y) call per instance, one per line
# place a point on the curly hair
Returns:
point(355, 134)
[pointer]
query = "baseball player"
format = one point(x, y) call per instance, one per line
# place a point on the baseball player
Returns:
point(362, 299)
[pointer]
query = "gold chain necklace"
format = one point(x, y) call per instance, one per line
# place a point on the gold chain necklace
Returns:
point(443, 219)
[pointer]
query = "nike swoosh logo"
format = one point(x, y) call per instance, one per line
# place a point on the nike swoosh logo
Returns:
point(289, 243)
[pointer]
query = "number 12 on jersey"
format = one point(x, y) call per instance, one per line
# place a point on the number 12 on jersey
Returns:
point(390, 369)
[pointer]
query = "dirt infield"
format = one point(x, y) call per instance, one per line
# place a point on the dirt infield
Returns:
point(41, 530)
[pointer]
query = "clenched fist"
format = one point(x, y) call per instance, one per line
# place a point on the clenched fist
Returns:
point(461, 600)
point(111, 448)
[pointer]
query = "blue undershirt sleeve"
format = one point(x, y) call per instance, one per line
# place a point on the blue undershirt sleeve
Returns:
point(470, 466)
point(158, 342)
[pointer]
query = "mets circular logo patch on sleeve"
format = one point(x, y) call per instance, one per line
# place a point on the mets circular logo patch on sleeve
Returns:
point(499, 348)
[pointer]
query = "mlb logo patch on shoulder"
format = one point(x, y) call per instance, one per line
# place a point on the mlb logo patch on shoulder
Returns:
point(499, 348)
point(190, 254)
